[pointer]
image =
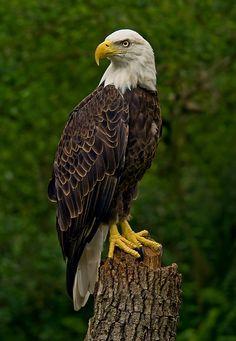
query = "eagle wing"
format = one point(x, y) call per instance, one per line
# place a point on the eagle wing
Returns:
point(87, 167)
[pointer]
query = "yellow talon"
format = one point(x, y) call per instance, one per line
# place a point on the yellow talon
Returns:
point(139, 238)
point(148, 242)
point(143, 233)
point(129, 234)
point(116, 239)
point(129, 240)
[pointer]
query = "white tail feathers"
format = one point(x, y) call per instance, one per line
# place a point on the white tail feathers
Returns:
point(87, 270)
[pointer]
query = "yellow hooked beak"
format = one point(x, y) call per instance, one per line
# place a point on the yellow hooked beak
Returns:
point(104, 50)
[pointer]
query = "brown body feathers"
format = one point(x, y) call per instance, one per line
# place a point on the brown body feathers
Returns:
point(108, 143)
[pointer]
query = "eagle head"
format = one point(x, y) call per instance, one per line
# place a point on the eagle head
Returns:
point(132, 61)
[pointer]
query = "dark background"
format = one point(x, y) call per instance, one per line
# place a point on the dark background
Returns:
point(187, 199)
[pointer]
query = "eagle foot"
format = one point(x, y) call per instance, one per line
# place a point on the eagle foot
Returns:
point(116, 239)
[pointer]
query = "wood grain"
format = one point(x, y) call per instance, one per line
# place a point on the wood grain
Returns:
point(136, 300)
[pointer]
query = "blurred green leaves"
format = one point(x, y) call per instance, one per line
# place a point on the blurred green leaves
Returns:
point(187, 198)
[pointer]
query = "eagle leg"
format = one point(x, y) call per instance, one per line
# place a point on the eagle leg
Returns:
point(116, 239)
point(139, 238)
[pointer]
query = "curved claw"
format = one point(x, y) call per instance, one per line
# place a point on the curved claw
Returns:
point(141, 253)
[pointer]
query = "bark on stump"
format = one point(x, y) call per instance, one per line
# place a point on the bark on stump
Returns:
point(135, 300)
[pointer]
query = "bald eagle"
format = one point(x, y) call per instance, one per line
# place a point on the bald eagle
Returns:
point(107, 144)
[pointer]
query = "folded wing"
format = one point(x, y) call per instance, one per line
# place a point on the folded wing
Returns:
point(87, 168)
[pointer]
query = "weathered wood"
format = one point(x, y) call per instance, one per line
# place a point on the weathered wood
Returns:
point(135, 300)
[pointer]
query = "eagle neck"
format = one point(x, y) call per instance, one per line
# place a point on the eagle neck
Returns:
point(125, 76)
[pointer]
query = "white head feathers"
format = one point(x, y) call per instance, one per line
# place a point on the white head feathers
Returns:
point(132, 61)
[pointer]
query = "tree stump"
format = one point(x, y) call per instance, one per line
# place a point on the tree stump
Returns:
point(135, 300)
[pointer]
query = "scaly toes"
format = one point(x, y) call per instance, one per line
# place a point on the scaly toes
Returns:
point(151, 243)
point(133, 239)
point(129, 241)
point(139, 238)
point(124, 244)
point(119, 240)
point(129, 234)
point(143, 233)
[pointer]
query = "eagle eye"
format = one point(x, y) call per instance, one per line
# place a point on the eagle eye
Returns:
point(126, 43)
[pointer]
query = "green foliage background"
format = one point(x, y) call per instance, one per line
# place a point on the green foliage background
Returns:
point(187, 199)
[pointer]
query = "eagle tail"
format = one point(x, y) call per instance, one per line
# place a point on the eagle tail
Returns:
point(87, 269)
